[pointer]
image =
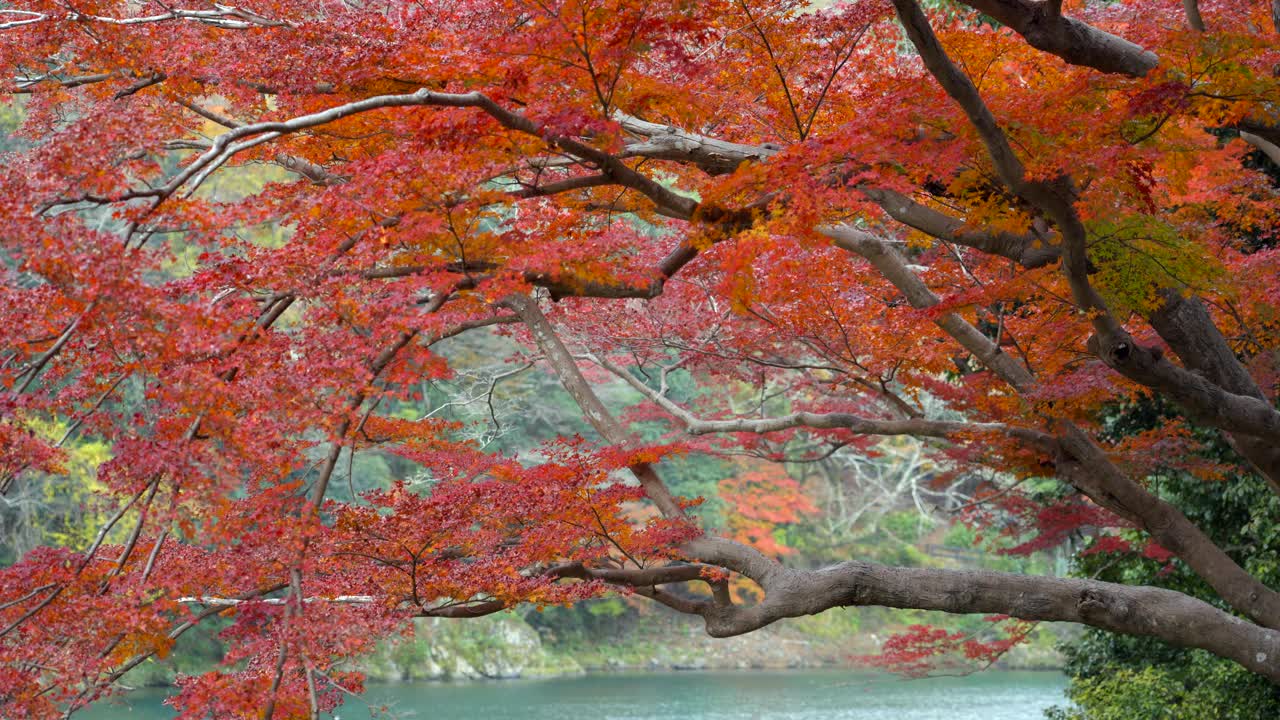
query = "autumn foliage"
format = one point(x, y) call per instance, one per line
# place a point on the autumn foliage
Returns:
point(234, 238)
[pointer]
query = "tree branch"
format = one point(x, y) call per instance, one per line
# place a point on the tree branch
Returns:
point(1199, 397)
point(1080, 462)
point(856, 424)
point(1029, 251)
point(1143, 611)
point(665, 142)
point(1044, 28)
point(718, 157)
point(1268, 148)
point(222, 16)
point(570, 375)
point(246, 136)
point(1184, 323)
point(891, 264)
point(1083, 464)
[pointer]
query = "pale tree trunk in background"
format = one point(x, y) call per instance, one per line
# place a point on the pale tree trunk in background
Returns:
point(1193, 13)
point(1266, 145)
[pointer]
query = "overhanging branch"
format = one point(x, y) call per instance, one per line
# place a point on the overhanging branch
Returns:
point(1044, 28)
point(1170, 616)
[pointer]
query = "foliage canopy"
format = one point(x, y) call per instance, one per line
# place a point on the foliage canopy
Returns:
point(794, 231)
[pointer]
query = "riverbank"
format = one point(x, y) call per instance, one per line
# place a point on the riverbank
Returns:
point(506, 646)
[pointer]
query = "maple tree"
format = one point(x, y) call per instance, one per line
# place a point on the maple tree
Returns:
point(987, 224)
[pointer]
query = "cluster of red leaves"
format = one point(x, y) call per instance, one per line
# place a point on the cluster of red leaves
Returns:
point(1117, 544)
point(923, 650)
point(1032, 526)
point(482, 538)
point(762, 499)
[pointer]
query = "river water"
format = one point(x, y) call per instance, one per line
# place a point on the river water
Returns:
point(795, 695)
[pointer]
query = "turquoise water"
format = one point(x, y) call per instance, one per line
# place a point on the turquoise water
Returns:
point(795, 695)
